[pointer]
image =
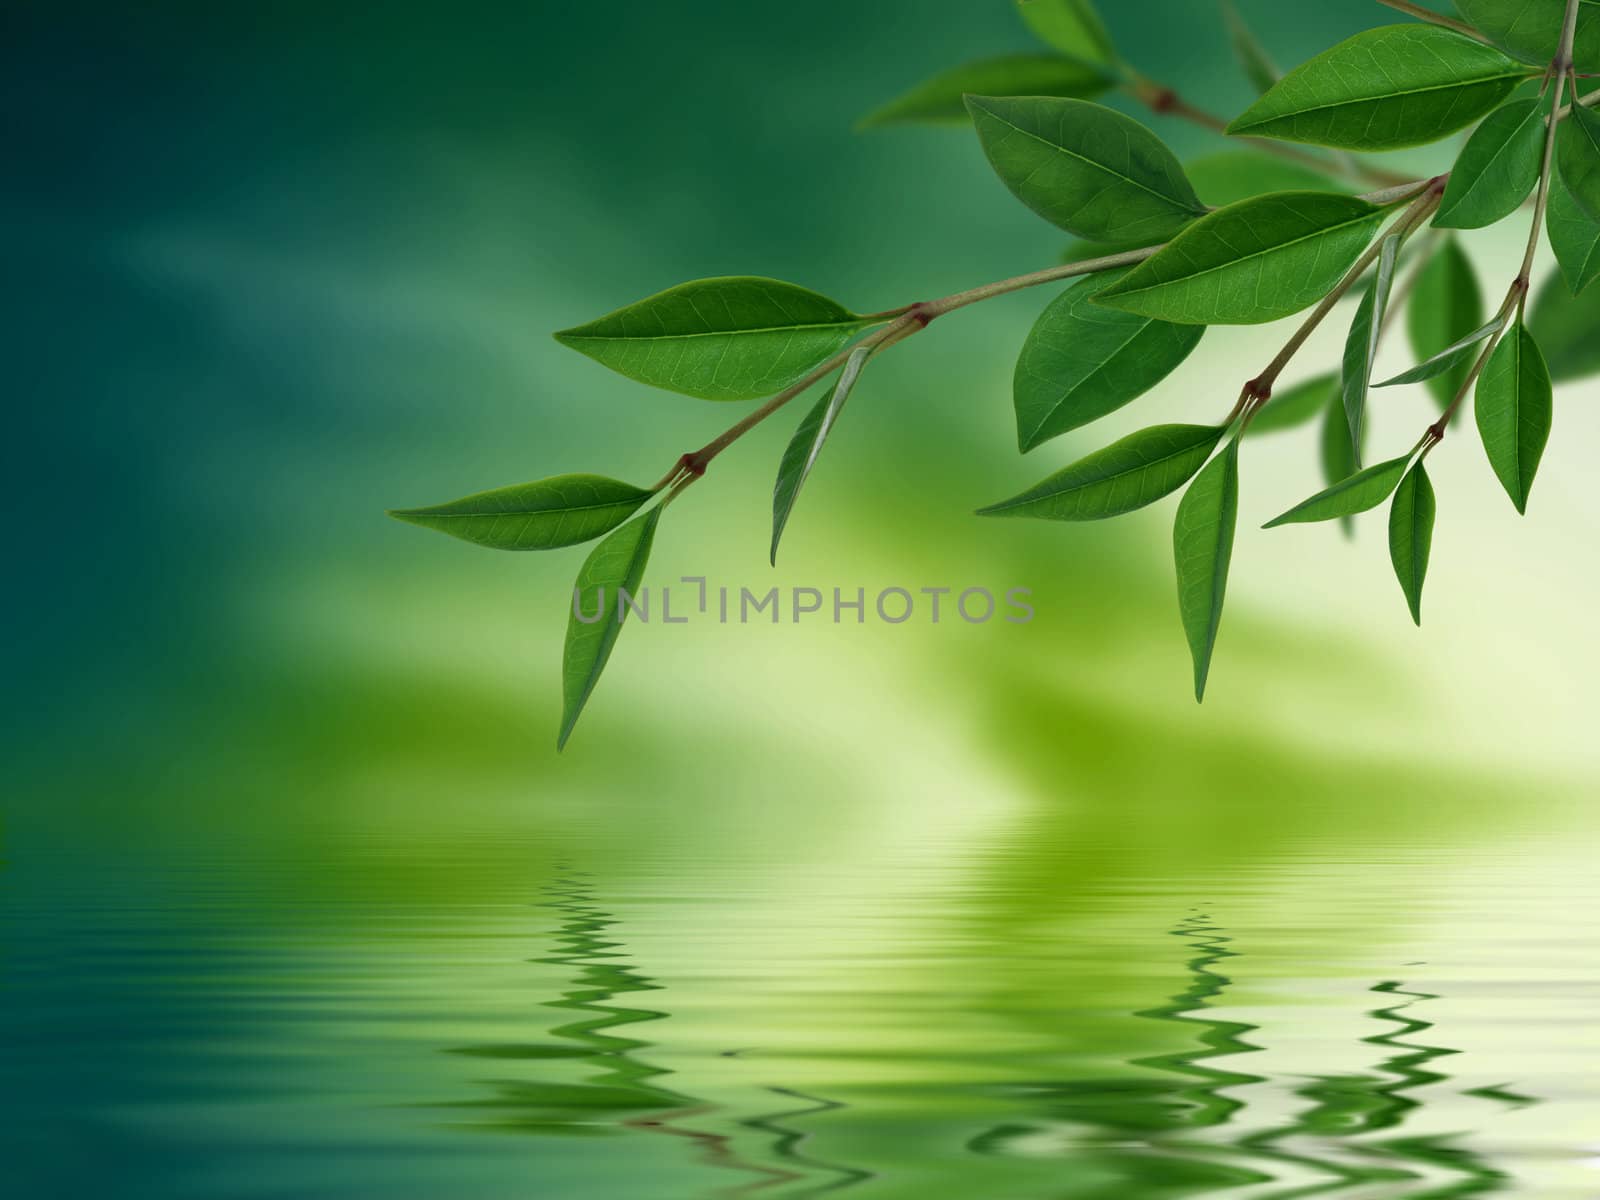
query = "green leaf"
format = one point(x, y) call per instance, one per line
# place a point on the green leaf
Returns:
point(1338, 453)
point(1411, 535)
point(1514, 408)
point(1361, 346)
point(1092, 171)
point(1072, 27)
point(1355, 494)
point(1232, 175)
point(1295, 407)
point(1254, 261)
point(1446, 306)
point(546, 515)
point(801, 453)
point(1253, 58)
point(615, 566)
point(1531, 29)
point(731, 338)
point(942, 98)
point(1401, 85)
point(1202, 548)
point(1448, 360)
point(1574, 236)
point(1565, 326)
point(1083, 360)
point(1578, 152)
point(1127, 475)
point(1496, 169)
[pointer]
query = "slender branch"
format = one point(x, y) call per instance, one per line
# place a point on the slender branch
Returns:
point(1437, 429)
point(907, 320)
point(1163, 100)
point(910, 319)
point(1560, 68)
point(1433, 18)
point(1260, 388)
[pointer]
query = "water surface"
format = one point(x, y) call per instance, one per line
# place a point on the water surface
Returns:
point(1005, 1017)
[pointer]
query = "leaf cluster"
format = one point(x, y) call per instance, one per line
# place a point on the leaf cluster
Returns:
point(1163, 251)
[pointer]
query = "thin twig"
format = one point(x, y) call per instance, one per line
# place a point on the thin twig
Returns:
point(1433, 18)
point(1163, 100)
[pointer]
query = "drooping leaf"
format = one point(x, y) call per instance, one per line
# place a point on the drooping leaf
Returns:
point(1202, 549)
point(1446, 306)
point(1411, 534)
point(1574, 236)
point(1514, 409)
point(1400, 85)
point(1361, 346)
point(1531, 29)
point(1565, 326)
point(1086, 168)
point(1232, 175)
point(1296, 406)
point(942, 99)
point(731, 338)
point(1083, 360)
point(1448, 360)
point(1254, 261)
point(1356, 494)
point(1127, 475)
point(1496, 169)
point(1578, 153)
point(1337, 453)
point(1072, 27)
point(801, 453)
point(614, 567)
point(549, 514)
point(1254, 60)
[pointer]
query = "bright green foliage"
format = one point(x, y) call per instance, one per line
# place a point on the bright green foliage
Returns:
point(1531, 29)
point(614, 567)
point(1297, 405)
point(1361, 346)
point(1127, 475)
point(1072, 27)
point(1083, 360)
point(1565, 326)
point(1336, 451)
point(1401, 85)
point(1497, 169)
point(942, 99)
point(1253, 58)
point(1355, 494)
point(1254, 261)
point(1229, 176)
point(1514, 411)
point(1086, 168)
point(1202, 549)
point(1578, 142)
point(1411, 534)
point(731, 338)
point(1446, 306)
point(546, 515)
point(801, 453)
point(1449, 360)
point(1574, 236)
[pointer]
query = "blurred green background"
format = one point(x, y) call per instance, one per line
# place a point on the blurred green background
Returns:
point(278, 269)
point(283, 797)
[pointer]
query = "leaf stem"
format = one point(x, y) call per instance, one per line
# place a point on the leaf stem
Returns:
point(1163, 100)
point(1433, 18)
point(907, 320)
point(1560, 67)
point(1260, 388)
point(911, 319)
